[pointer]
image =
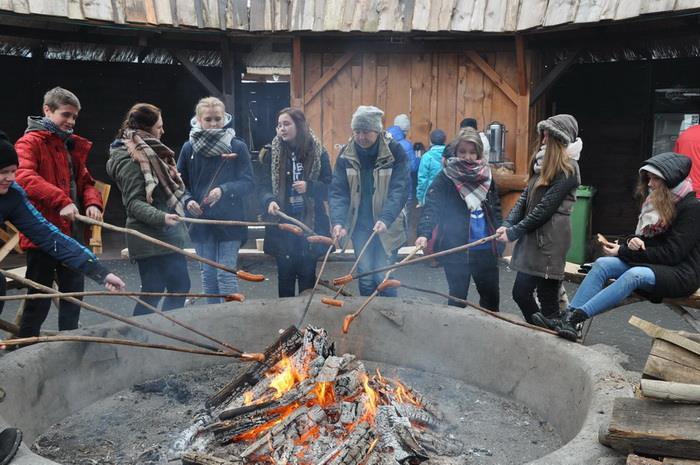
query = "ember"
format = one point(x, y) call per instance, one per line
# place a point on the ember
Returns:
point(309, 406)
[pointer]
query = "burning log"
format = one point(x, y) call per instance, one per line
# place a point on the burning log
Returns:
point(395, 434)
point(193, 458)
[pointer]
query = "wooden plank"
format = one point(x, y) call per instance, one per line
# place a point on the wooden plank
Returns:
point(489, 72)
point(356, 86)
point(654, 428)
point(473, 98)
point(307, 15)
point(43, 7)
point(532, 14)
point(560, 12)
point(634, 459)
point(349, 11)
point(666, 390)
point(283, 16)
point(495, 15)
point(313, 109)
point(661, 333)
point(369, 79)
point(8, 246)
point(608, 10)
point(6, 5)
point(318, 13)
point(589, 11)
point(512, 115)
point(677, 461)
point(164, 12)
point(101, 10)
point(628, 9)
point(382, 83)
point(257, 16)
point(135, 11)
point(656, 6)
point(328, 107)
point(187, 13)
point(75, 9)
point(421, 15)
point(339, 90)
point(448, 72)
point(685, 5)
point(327, 76)
point(477, 22)
point(389, 15)
point(671, 363)
point(434, 85)
point(297, 73)
point(237, 14)
point(462, 15)
point(398, 95)
point(210, 14)
point(523, 83)
point(421, 73)
point(440, 16)
point(333, 17)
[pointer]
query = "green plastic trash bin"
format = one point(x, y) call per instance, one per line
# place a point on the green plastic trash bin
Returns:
point(580, 224)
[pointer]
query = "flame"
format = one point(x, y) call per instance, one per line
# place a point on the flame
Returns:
point(404, 394)
point(310, 434)
point(324, 394)
point(287, 377)
point(280, 413)
point(371, 403)
point(248, 397)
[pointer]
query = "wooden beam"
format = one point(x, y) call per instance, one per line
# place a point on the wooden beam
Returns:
point(666, 390)
point(496, 78)
point(327, 76)
point(662, 333)
point(297, 73)
point(197, 74)
point(227, 76)
point(553, 76)
point(523, 84)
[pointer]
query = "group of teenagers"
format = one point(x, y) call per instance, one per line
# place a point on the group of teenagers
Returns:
point(44, 183)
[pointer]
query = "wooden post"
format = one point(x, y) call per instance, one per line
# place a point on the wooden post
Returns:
point(523, 108)
point(297, 76)
point(227, 76)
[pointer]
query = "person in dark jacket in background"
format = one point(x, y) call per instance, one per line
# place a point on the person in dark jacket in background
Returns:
point(661, 259)
point(297, 173)
point(541, 218)
point(216, 170)
point(152, 191)
point(464, 204)
point(368, 193)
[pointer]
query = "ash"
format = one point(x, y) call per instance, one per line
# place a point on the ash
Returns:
point(304, 405)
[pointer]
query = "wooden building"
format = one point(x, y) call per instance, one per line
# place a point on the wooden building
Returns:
point(512, 61)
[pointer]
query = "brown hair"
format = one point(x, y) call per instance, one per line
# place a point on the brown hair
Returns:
point(661, 198)
point(141, 116)
point(303, 141)
point(58, 96)
point(555, 161)
point(467, 134)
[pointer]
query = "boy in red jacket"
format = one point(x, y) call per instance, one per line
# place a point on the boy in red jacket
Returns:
point(53, 171)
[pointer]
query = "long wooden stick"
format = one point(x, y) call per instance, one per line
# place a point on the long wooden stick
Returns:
point(295, 221)
point(106, 340)
point(241, 274)
point(349, 318)
point(9, 327)
point(349, 277)
point(158, 311)
point(356, 263)
point(60, 295)
point(107, 313)
point(186, 219)
point(318, 279)
point(480, 308)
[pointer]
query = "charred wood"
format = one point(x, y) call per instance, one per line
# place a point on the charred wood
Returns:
point(194, 458)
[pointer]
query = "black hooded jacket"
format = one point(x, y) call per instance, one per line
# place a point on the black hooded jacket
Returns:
point(674, 255)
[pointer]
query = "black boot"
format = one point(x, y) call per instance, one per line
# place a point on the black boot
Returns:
point(552, 322)
point(567, 328)
point(10, 440)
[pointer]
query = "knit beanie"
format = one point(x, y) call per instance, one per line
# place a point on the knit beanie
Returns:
point(402, 122)
point(8, 154)
point(562, 127)
point(367, 118)
point(438, 137)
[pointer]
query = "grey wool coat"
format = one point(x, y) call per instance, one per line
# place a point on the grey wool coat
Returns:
point(541, 223)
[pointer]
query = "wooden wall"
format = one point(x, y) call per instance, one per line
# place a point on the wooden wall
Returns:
point(436, 90)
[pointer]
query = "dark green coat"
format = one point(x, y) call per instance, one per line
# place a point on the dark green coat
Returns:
point(140, 215)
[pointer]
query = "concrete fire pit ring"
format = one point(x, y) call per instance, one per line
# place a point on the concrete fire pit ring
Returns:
point(569, 385)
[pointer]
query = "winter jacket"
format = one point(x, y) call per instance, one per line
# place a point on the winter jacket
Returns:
point(45, 174)
point(446, 209)
point(391, 177)
point(430, 167)
point(280, 243)
point(235, 178)
point(398, 135)
point(15, 207)
point(141, 215)
point(541, 223)
point(674, 255)
point(688, 144)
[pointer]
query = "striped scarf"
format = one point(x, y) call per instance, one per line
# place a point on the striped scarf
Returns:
point(157, 163)
point(650, 223)
point(472, 178)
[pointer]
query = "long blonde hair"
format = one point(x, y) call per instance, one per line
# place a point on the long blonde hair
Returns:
point(661, 198)
point(556, 160)
point(208, 102)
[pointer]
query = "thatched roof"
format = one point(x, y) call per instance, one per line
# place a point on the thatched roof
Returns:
point(499, 16)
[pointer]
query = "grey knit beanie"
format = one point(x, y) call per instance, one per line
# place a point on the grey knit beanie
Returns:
point(562, 127)
point(402, 122)
point(367, 118)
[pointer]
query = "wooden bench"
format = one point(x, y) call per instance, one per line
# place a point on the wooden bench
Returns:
point(572, 275)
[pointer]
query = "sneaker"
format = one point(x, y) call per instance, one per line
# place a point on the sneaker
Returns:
point(569, 325)
point(542, 321)
point(10, 439)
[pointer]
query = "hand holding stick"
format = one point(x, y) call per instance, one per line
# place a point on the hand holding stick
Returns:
point(331, 245)
point(295, 221)
point(343, 281)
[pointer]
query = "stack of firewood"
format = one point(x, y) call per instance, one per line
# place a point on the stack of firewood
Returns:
point(661, 426)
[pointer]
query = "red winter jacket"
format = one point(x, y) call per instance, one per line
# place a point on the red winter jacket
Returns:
point(45, 175)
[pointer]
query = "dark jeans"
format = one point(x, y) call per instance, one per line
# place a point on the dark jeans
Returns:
point(293, 269)
point(161, 273)
point(44, 269)
point(547, 293)
point(483, 269)
point(374, 257)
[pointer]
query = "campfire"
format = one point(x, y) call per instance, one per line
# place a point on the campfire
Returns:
point(306, 405)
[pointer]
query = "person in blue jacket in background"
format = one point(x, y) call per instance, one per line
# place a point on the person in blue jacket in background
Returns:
point(398, 132)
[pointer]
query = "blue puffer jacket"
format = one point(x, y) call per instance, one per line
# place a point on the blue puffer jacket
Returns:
point(398, 135)
point(430, 167)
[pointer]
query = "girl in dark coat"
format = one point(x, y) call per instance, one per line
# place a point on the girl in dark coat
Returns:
point(297, 173)
point(215, 167)
point(540, 219)
point(463, 202)
point(662, 258)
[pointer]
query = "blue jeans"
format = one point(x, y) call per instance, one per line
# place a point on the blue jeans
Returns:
point(593, 297)
point(160, 273)
point(214, 280)
point(374, 257)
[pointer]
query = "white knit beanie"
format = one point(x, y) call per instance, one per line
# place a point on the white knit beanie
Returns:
point(402, 122)
point(367, 118)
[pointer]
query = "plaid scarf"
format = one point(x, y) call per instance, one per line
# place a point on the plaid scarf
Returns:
point(211, 142)
point(51, 127)
point(650, 223)
point(472, 178)
point(157, 163)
